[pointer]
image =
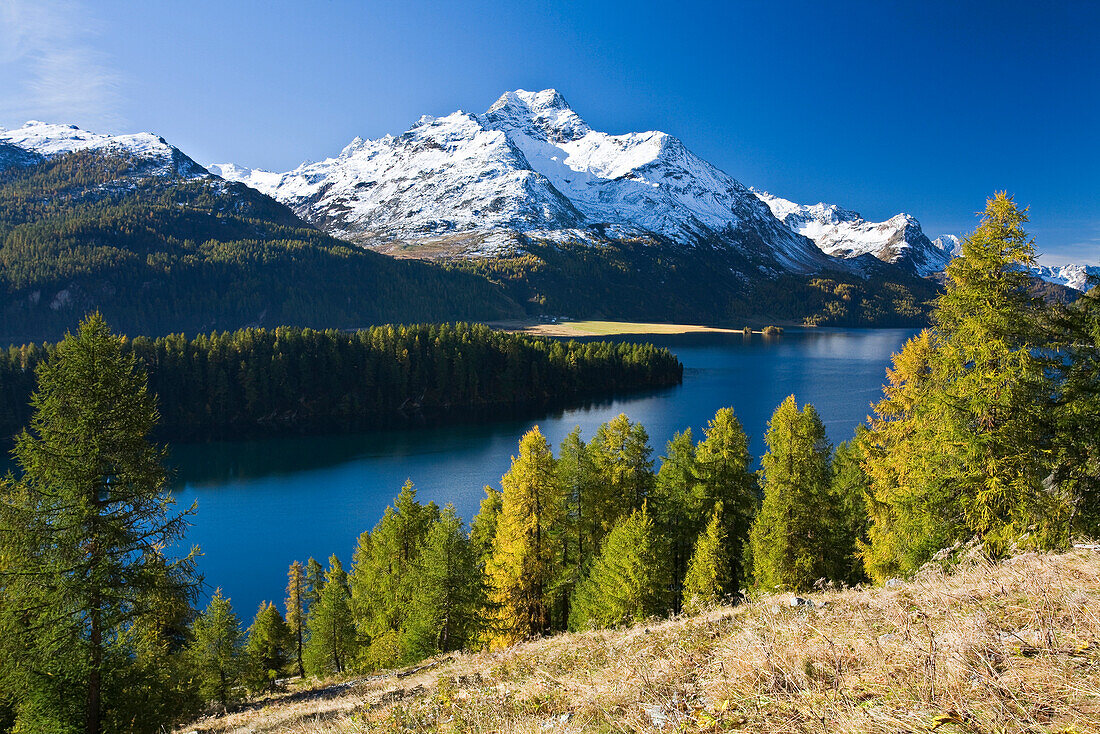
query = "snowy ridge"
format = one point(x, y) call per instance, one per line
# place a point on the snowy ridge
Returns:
point(38, 140)
point(1071, 276)
point(844, 233)
point(529, 165)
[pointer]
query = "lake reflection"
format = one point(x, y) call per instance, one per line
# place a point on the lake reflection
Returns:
point(263, 504)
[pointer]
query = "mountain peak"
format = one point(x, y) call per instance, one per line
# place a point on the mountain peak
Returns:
point(544, 114)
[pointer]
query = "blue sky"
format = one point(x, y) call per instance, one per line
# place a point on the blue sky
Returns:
point(881, 107)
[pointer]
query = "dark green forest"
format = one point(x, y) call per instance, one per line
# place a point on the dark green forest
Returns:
point(266, 381)
point(159, 255)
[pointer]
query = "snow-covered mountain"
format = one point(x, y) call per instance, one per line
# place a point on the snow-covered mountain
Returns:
point(844, 233)
point(470, 184)
point(38, 140)
point(1071, 276)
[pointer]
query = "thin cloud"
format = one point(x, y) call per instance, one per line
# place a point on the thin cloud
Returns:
point(49, 67)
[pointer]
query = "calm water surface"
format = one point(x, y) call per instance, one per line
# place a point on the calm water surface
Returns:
point(263, 504)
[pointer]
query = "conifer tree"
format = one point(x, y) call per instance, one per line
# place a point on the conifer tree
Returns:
point(674, 507)
point(849, 486)
point(620, 453)
point(315, 582)
point(331, 643)
point(722, 463)
point(445, 610)
point(708, 576)
point(524, 563)
point(1075, 411)
point(959, 446)
point(296, 611)
point(628, 581)
point(574, 535)
point(270, 648)
point(383, 579)
point(81, 533)
point(483, 529)
point(790, 536)
point(217, 650)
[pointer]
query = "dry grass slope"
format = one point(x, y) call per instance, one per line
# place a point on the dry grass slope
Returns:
point(1007, 647)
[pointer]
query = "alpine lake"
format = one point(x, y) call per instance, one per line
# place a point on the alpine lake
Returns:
point(263, 504)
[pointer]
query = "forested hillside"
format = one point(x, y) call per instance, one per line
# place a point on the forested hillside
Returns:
point(259, 381)
point(644, 279)
point(157, 255)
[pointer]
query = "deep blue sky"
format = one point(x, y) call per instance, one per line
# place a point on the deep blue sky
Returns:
point(878, 106)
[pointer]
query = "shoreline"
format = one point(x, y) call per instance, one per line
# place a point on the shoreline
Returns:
point(606, 328)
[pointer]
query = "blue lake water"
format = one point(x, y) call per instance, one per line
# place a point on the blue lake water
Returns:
point(263, 504)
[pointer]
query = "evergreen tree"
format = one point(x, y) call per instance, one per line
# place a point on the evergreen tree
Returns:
point(959, 447)
point(849, 486)
point(708, 576)
point(574, 535)
point(383, 579)
point(789, 540)
point(628, 581)
point(81, 533)
point(483, 529)
point(620, 453)
point(445, 610)
point(722, 461)
point(1074, 415)
point(675, 509)
point(217, 651)
point(270, 648)
point(524, 562)
point(315, 582)
point(331, 644)
point(296, 611)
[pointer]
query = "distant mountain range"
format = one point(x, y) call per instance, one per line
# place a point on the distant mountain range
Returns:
point(524, 204)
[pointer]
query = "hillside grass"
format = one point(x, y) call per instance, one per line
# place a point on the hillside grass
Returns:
point(1006, 647)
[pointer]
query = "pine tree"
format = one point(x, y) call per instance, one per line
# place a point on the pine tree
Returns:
point(270, 648)
point(483, 529)
point(708, 576)
point(296, 612)
point(524, 563)
point(628, 581)
point(81, 533)
point(445, 610)
point(722, 461)
point(574, 535)
point(331, 644)
point(790, 536)
point(960, 445)
point(217, 651)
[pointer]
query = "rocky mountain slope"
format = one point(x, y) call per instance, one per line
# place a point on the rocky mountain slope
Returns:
point(1010, 646)
point(529, 168)
point(843, 233)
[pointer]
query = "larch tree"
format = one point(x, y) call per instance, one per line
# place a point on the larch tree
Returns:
point(445, 611)
point(708, 575)
point(315, 582)
point(967, 414)
point(331, 642)
point(722, 463)
point(674, 511)
point(790, 538)
point(524, 564)
point(217, 651)
point(269, 649)
point(621, 456)
point(574, 535)
point(296, 611)
point(82, 528)
point(628, 581)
